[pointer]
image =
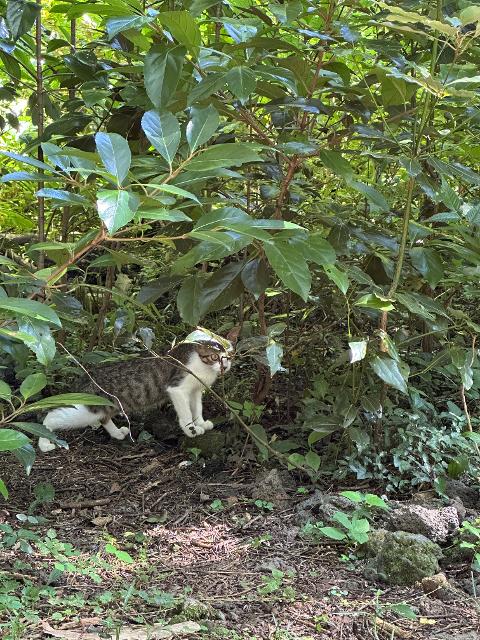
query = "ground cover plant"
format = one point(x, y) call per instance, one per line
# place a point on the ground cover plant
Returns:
point(306, 172)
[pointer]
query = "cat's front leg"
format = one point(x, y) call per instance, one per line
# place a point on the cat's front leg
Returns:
point(181, 404)
point(197, 410)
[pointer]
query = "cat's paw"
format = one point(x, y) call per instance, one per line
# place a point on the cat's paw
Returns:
point(193, 430)
point(206, 425)
point(45, 445)
point(121, 433)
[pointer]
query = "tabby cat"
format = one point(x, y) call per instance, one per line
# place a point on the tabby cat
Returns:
point(144, 384)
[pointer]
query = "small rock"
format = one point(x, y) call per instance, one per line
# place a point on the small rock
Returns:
point(401, 557)
point(470, 496)
point(192, 609)
point(433, 584)
point(468, 635)
point(269, 486)
point(320, 506)
point(436, 524)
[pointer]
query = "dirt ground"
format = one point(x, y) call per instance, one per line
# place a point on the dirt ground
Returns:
point(195, 535)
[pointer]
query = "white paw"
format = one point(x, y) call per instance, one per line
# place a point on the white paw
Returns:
point(193, 430)
point(121, 433)
point(206, 425)
point(45, 445)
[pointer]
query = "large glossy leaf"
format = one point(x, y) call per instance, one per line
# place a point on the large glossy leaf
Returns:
point(429, 263)
point(373, 196)
point(115, 208)
point(32, 385)
point(163, 131)
point(26, 455)
point(115, 154)
point(41, 341)
point(189, 300)
point(40, 431)
point(5, 391)
point(31, 309)
point(290, 266)
point(337, 276)
point(222, 288)
point(388, 370)
point(225, 155)
point(318, 250)
point(21, 16)
point(124, 23)
point(163, 68)
point(202, 126)
point(27, 160)
point(334, 161)
point(183, 28)
point(241, 82)
point(11, 440)
point(63, 197)
point(68, 400)
point(255, 277)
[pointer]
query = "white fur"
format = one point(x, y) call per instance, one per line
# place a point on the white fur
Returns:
point(187, 397)
point(76, 417)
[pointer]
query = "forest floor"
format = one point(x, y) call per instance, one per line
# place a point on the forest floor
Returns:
point(143, 534)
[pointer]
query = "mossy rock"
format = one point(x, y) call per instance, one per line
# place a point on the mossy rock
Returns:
point(401, 558)
point(192, 609)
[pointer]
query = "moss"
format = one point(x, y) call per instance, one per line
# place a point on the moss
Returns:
point(401, 558)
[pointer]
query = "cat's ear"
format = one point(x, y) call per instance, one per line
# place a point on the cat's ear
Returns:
point(233, 334)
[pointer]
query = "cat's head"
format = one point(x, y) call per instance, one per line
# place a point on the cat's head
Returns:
point(213, 350)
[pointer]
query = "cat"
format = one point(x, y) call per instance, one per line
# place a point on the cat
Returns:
point(145, 384)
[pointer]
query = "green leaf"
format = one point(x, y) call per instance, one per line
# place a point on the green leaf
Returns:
point(290, 266)
point(41, 432)
point(241, 82)
point(20, 17)
point(5, 391)
point(11, 440)
point(428, 263)
point(354, 496)
point(274, 353)
point(39, 339)
point(338, 277)
point(202, 126)
point(375, 501)
point(313, 460)
point(319, 250)
point(189, 300)
point(3, 489)
point(27, 160)
point(260, 438)
point(342, 518)
point(374, 301)
point(402, 609)
point(120, 24)
point(358, 350)
point(183, 28)
point(334, 161)
point(115, 154)
point(388, 370)
point(222, 288)
point(115, 208)
point(206, 87)
point(31, 309)
point(333, 533)
point(123, 556)
point(26, 455)
point(176, 191)
point(163, 68)
point(32, 385)
point(63, 197)
point(255, 277)
point(163, 131)
point(224, 155)
point(68, 400)
point(373, 196)
point(172, 215)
